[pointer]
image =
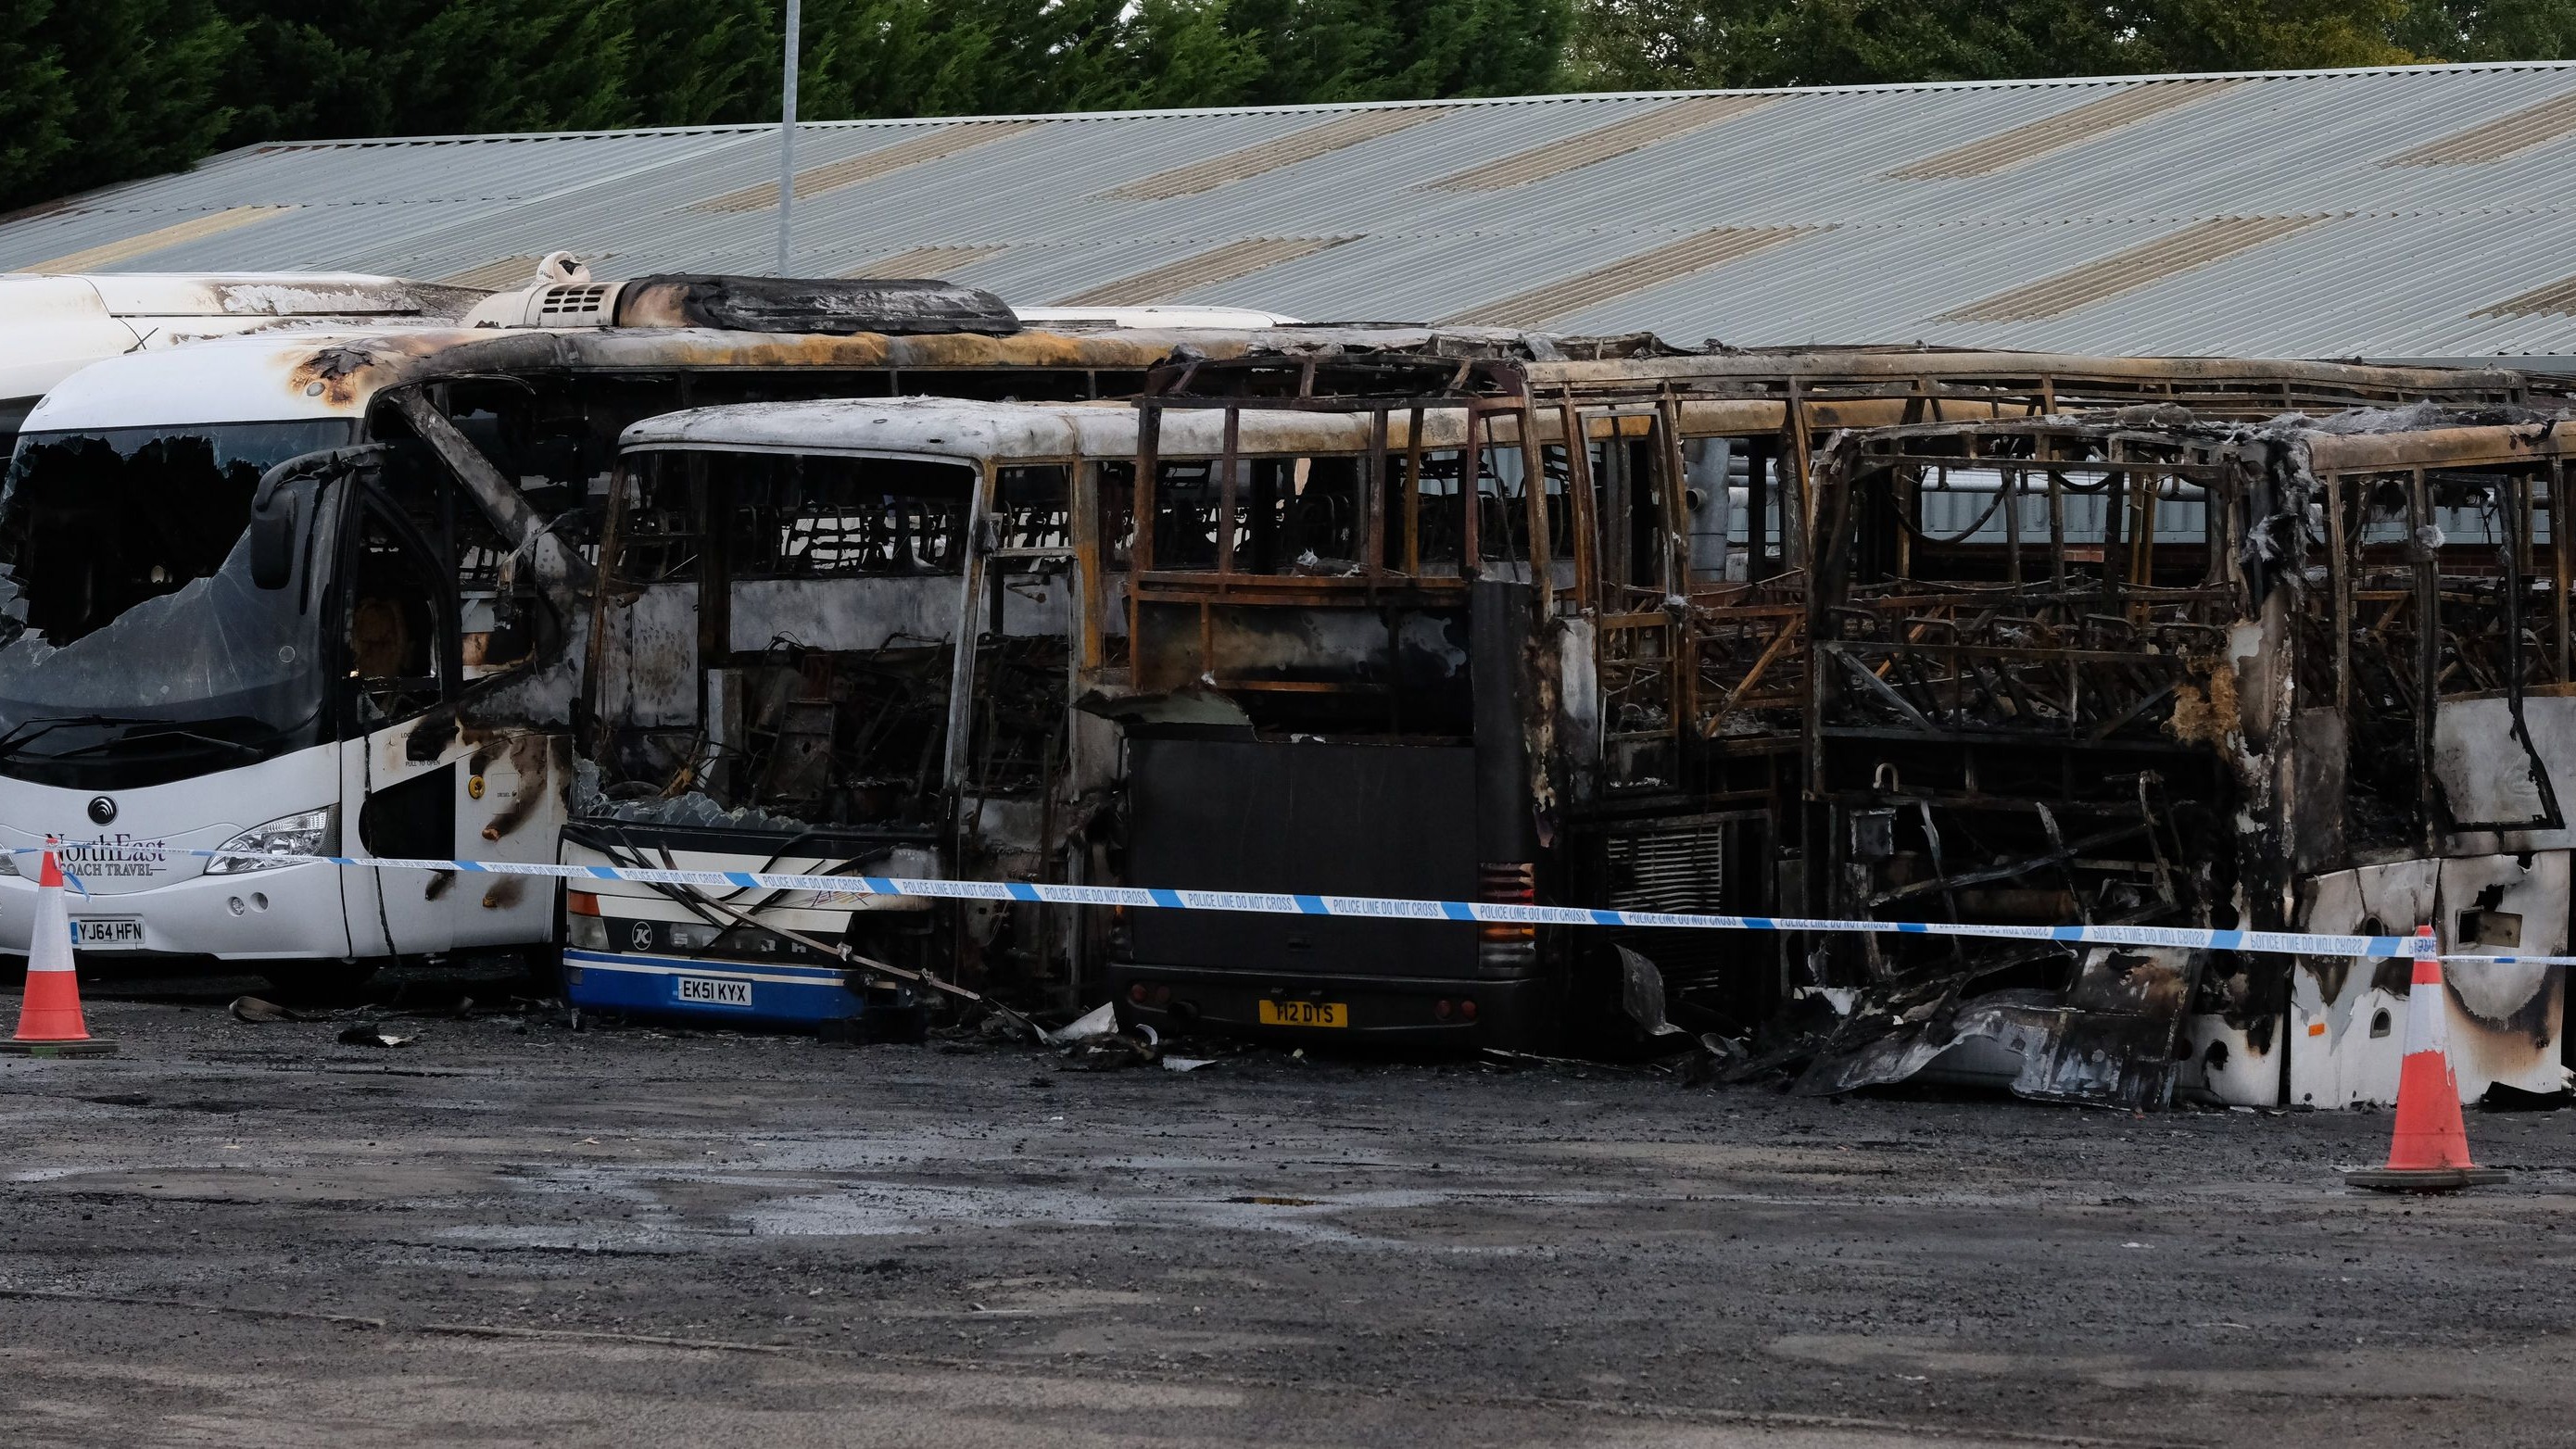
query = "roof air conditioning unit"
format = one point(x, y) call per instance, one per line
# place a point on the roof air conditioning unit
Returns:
point(827, 306)
point(560, 294)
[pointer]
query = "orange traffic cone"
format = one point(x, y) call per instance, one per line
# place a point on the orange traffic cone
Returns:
point(49, 1015)
point(2430, 1149)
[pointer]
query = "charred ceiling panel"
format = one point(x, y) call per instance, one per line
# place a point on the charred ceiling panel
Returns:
point(1257, 646)
point(2318, 799)
point(649, 667)
point(2487, 774)
point(862, 616)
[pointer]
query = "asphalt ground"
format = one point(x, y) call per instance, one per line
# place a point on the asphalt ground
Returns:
point(512, 1232)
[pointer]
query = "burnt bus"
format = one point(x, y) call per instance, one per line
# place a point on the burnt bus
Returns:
point(2301, 676)
point(323, 590)
point(1336, 621)
point(1514, 630)
point(848, 638)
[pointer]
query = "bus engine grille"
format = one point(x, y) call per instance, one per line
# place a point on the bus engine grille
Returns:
point(1667, 870)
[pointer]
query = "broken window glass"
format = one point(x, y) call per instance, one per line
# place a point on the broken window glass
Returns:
point(801, 516)
point(396, 651)
point(493, 603)
point(136, 645)
point(92, 524)
point(658, 534)
point(1186, 496)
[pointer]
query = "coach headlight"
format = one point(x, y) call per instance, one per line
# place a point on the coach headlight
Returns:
point(310, 832)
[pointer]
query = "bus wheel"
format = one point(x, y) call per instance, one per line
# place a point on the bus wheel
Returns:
point(333, 982)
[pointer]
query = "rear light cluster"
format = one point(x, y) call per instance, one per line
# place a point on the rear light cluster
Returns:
point(1154, 994)
point(1464, 1009)
point(1502, 948)
point(1507, 885)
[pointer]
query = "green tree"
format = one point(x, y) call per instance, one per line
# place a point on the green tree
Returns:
point(2489, 29)
point(307, 69)
point(978, 57)
point(508, 65)
point(1628, 44)
point(1185, 53)
point(2188, 35)
point(35, 102)
point(1650, 44)
point(113, 89)
point(703, 62)
point(1378, 50)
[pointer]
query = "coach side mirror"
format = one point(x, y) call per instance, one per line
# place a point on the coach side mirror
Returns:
point(273, 531)
point(272, 539)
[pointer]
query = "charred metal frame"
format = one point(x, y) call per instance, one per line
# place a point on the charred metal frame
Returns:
point(1703, 693)
point(2193, 721)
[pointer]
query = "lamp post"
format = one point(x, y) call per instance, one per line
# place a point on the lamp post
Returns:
point(787, 144)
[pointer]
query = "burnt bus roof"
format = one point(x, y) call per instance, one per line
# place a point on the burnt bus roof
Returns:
point(276, 378)
point(968, 428)
point(279, 377)
point(2366, 440)
point(893, 307)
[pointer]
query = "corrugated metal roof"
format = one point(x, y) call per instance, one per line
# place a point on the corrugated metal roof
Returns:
point(1205, 269)
point(868, 165)
point(2558, 297)
point(1695, 253)
point(2034, 139)
point(161, 238)
point(1599, 143)
point(1914, 210)
point(922, 262)
point(2494, 140)
point(1266, 156)
point(2196, 245)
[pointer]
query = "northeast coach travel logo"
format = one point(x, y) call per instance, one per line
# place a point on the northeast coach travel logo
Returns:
point(115, 855)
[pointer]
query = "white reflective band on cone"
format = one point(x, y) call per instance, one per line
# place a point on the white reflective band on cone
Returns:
point(2425, 1031)
point(49, 936)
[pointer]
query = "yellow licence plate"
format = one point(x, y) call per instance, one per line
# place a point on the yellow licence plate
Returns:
point(1305, 1013)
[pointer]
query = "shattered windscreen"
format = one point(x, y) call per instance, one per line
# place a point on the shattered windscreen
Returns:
point(133, 646)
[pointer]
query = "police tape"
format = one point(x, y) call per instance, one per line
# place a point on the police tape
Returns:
point(1397, 908)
